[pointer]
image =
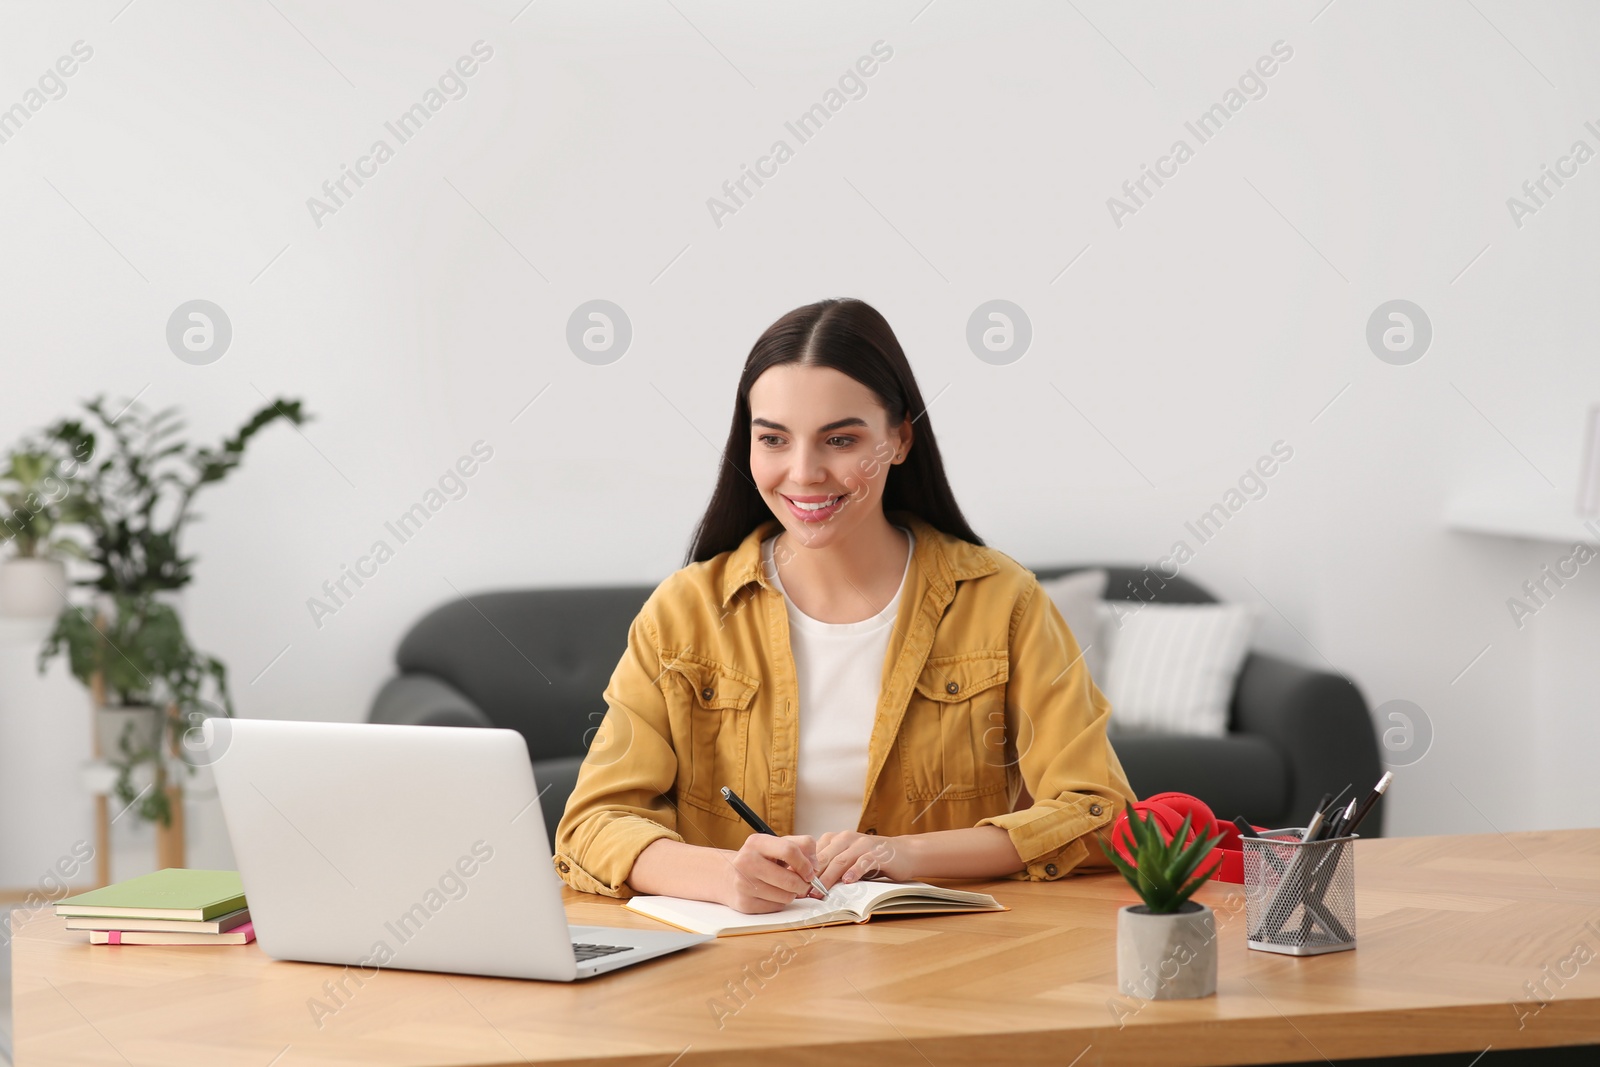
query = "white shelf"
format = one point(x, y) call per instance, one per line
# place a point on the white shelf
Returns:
point(1533, 519)
point(45, 731)
point(24, 631)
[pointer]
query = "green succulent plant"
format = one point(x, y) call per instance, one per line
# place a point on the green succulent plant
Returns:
point(1163, 872)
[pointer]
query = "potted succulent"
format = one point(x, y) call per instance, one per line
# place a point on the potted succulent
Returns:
point(127, 644)
point(1166, 946)
point(34, 484)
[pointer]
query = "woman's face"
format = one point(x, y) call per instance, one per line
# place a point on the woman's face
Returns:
point(818, 437)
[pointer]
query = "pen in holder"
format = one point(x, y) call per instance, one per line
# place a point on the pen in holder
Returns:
point(1299, 895)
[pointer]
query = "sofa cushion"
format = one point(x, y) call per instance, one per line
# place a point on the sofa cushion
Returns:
point(1077, 596)
point(1172, 668)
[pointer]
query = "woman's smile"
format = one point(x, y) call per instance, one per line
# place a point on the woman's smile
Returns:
point(816, 508)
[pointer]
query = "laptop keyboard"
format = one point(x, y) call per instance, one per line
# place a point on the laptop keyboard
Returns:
point(586, 951)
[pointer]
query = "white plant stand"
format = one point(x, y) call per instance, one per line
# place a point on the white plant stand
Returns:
point(45, 724)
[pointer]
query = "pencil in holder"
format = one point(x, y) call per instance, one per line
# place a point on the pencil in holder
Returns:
point(1299, 895)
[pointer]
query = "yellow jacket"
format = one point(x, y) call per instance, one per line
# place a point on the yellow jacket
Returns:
point(984, 680)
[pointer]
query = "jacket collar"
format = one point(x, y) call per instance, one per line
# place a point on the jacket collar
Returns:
point(944, 558)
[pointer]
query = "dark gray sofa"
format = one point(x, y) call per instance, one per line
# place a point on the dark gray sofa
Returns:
point(538, 660)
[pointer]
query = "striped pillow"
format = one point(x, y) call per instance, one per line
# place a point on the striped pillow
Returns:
point(1171, 668)
point(1078, 597)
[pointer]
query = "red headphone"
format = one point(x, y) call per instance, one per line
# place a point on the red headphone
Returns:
point(1226, 862)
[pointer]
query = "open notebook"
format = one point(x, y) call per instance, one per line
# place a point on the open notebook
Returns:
point(856, 902)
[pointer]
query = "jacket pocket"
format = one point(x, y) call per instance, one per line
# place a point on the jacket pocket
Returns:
point(952, 739)
point(708, 704)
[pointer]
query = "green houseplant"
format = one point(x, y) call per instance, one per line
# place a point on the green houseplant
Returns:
point(128, 644)
point(137, 493)
point(34, 485)
point(136, 658)
point(1166, 946)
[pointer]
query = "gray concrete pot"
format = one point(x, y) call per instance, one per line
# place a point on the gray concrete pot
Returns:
point(32, 588)
point(1167, 957)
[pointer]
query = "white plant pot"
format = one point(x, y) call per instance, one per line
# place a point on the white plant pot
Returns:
point(32, 588)
point(110, 722)
point(1167, 957)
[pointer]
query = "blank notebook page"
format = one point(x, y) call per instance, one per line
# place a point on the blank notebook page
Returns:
point(707, 915)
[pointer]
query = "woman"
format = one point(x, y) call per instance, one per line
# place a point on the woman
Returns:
point(845, 654)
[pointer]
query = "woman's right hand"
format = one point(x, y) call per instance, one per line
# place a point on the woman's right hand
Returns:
point(769, 872)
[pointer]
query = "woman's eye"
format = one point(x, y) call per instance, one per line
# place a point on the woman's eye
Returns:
point(767, 439)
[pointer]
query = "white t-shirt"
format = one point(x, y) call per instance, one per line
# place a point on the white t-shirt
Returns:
point(839, 667)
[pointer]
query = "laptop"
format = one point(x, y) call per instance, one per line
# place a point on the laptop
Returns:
point(415, 847)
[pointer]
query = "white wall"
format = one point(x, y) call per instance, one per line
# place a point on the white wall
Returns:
point(1223, 316)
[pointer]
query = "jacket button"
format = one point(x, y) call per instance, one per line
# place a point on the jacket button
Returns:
point(1050, 869)
point(707, 692)
point(1095, 809)
point(951, 687)
point(562, 866)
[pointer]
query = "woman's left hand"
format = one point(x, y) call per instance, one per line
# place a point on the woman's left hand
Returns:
point(848, 856)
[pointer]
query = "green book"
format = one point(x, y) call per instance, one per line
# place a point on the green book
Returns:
point(174, 893)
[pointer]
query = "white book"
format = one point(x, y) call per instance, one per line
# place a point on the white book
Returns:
point(220, 925)
point(855, 902)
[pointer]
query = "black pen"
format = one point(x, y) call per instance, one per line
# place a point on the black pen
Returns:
point(1353, 815)
point(759, 826)
point(1371, 799)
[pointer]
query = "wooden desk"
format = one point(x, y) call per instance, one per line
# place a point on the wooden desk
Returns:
point(1449, 928)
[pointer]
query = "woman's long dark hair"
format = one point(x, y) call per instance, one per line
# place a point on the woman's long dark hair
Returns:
point(853, 338)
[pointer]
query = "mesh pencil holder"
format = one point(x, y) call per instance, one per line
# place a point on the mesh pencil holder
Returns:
point(1300, 896)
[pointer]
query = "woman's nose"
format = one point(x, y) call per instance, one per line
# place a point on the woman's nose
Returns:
point(807, 466)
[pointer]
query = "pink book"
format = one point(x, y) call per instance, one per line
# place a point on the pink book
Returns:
point(239, 935)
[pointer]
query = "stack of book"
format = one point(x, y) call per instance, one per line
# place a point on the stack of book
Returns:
point(175, 906)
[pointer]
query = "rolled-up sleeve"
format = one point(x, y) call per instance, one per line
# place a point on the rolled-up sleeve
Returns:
point(620, 803)
point(1059, 717)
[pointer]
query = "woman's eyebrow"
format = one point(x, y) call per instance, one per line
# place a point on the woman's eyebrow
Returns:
point(821, 429)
